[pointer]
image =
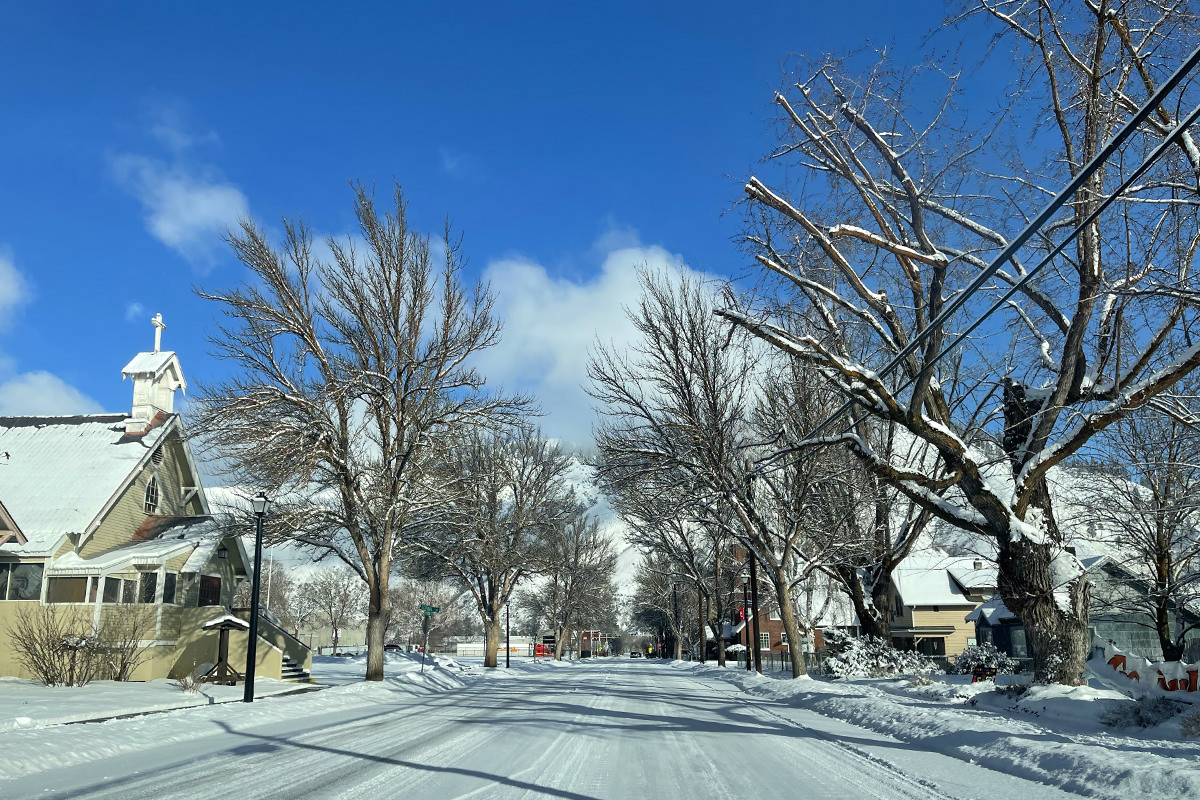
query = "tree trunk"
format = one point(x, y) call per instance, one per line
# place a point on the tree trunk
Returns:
point(703, 623)
point(795, 649)
point(1055, 616)
point(1171, 647)
point(873, 615)
point(378, 611)
point(491, 629)
point(559, 642)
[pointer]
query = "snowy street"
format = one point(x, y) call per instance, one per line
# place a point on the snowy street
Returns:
point(593, 730)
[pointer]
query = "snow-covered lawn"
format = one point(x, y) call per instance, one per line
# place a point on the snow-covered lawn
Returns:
point(1050, 734)
point(29, 704)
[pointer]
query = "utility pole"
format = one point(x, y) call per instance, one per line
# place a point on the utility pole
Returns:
point(754, 606)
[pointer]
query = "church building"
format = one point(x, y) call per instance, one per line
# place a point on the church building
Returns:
point(103, 520)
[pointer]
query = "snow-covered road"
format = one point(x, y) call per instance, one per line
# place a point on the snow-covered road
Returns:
point(618, 729)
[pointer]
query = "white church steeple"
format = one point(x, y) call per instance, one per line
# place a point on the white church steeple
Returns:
point(156, 376)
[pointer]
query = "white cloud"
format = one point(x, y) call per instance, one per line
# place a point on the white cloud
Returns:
point(551, 323)
point(14, 289)
point(134, 312)
point(186, 208)
point(40, 394)
point(172, 124)
point(31, 392)
point(458, 164)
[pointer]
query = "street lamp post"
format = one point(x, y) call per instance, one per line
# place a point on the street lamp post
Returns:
point(507, 649)
point(260, 504)
point(678, 624)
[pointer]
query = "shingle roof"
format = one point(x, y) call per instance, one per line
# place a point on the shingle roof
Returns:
point(58, 473)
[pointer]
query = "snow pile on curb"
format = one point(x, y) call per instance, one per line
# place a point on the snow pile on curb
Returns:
point(1051, 734)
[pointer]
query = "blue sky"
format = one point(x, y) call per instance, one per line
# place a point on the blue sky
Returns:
point(567, 142)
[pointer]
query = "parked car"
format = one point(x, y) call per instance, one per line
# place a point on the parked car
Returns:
point(635, 653)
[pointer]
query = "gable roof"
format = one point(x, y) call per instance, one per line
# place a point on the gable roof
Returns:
point(154, 364)
point(926, 579)
point(59, 474)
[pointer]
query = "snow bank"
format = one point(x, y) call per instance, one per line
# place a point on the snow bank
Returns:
point(1051, 734)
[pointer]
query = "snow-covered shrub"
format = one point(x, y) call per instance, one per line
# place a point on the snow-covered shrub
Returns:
point(191, 682)
point(1189, 724)
point(57, 644)
point(869, 657)
point(984, 656)
point(1145, 712)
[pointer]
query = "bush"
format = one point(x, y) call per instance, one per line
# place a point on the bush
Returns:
point(869, 657)
point(57, 645)
point(60, 645)
point(984, 656)
point(1145, 712)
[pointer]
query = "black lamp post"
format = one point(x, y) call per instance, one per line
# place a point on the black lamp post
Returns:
point(507, 649)
point(261, 504)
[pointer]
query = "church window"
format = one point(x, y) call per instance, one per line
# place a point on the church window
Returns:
point(152, 496)
point(210, 590)
point(149, 581)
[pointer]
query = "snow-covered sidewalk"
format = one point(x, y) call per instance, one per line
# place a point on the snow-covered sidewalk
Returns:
point(1051, 734)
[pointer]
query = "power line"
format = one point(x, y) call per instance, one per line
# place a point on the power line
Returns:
point(1031, 228)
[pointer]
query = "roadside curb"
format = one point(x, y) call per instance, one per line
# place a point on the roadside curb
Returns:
point(133, 714)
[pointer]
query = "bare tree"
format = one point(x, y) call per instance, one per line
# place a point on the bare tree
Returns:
point(348, 376)
point(896, 208)
point(1145, 502)
point(677, 411)
point(509, 495)
point(339, 598)
point(577, 579)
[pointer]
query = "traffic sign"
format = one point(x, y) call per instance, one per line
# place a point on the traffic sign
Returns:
point(430, 609)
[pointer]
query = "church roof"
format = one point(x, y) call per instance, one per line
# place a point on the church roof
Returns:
point(199, 537)
point(59, 474)
point(149, 363)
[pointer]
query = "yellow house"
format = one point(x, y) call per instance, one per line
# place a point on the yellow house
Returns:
point(930, 596)
point(103, 519)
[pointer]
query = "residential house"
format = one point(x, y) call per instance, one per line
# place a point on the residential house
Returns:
point(1109, 619)
point(930, 597)
point(103, 518)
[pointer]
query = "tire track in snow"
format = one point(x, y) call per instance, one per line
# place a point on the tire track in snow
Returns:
point(904, 784)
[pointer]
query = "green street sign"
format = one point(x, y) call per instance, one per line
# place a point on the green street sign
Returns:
point(430, 609)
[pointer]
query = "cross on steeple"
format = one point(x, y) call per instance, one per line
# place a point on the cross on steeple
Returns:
point(159, 327)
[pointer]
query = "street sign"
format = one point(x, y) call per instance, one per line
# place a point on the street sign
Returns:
point(430, 610)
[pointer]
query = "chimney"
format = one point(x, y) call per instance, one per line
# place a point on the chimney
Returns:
point(977, 564)
point(156, 375)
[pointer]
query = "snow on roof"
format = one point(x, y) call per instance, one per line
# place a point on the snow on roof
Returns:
point(58, 473)
point(923, 579)
point(188, 534)
point(991, 612)
point(969, 577)
point(149, 363)
point(226, 620)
